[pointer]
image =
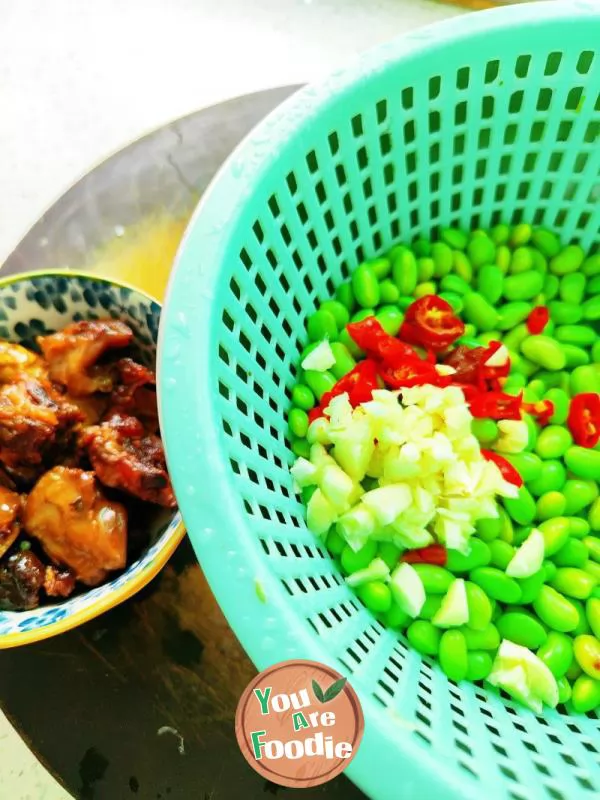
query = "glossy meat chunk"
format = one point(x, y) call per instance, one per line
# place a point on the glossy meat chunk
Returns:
point(77, 526)
point(17, 361)
point(135, 393)
point(59, 582)
point(125, 457)
point(21, 578)
point(72, 354)
point(10, 508)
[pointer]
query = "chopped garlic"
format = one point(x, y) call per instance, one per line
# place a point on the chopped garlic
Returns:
point(320, 358)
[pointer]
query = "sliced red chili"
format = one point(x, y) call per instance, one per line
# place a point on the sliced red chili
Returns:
point(584, 419)
point(411, 373)
point(467, 363)
point(496, 405)
point(432, 554)
point(509, 473)
point(359, 383)
point(431, 322)
point(315, 413)
point(371, 337)
point(490, 372)
point(537, 320)
point(542, 410)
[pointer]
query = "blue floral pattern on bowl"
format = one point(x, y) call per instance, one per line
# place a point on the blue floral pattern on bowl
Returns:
point(33, 305)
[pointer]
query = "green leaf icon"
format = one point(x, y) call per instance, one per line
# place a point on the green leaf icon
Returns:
point(334, 689)
point(318, 692)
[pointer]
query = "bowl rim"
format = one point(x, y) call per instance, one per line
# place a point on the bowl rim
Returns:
point(148, 572)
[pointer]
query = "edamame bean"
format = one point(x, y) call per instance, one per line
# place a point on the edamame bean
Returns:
point(521, 234)
point(564, 690)
point(390, 319)
point(565, 313)
point(551, 286)
point(575, 356)
point(528, 465)
point(556, 653)
point(485, 430)
point(387, 551)
point(302, 397)
point(334, 542)
point(586, 649)
point(501, 553)
point(421, 247)
point(381, 267)
point(555, 610)
point(543, 350)
point(546, 242)
point(298, 422)
point(549, 569)
point(338, 311)
point(489, 529)
point(583, 625)
point(572, 288)
point(578, 527)
point(532, 431)
point(592, 547)
point(591, 266)
point(594, 516)
point(454, 284)
point(530, 587)
point(592, 612)
point(355, 560)
point(521, 261)
point(580, 335)
point(319, 382)
point(479, 665)
point(463, 267)
point(453, 655)
point(321, 325)
point(345, 296)
point(503, 256)
point(585, 379)
point(524, 286)
point(365, 286)
point(572, 554)
point(500, 233)
point(568, 260)
point(496, 584)
point(555, 532)
point(376, 595)
point(480, 607)
point(436, 580)
point(456, 238)
point(363, 313)
point(454, 300)
point(424, 637)
point(521, 629)
point(481, 250)
point(343, 360)
point(350, 344)
point(405, 271)
point(389, 292)
point(593, 286)
point(585, 695)
point(425, 269)
point(443, 258)
point(431, 606)
point(573, 582)
point(579, 494)
point(490, 282)
point(583, 462)
point(561, 401)
point(478, 556)
point(553, 442)
point(487, 639)
point(396, 618)
point(516, 337)
point(521, 508)
point(511, 314)
point(479, 312)
point(424, 289)
point(549, 505)
point(301, 449)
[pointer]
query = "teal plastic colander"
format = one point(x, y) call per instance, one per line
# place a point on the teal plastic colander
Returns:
point(491, 117)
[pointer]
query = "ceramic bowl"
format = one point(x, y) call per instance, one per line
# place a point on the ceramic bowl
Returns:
point(33, 304)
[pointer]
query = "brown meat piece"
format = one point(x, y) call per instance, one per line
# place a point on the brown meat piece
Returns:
point(136, 393)
point(59, 582)
point(78, 527)
point(21, 578)
point(16, 361)
point(72, 354)
point(10, 508)
point(125, 457)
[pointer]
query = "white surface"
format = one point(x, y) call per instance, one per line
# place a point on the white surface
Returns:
point(81, 78)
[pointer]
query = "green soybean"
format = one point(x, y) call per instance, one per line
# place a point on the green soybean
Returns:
point(456, 238)
point(565, 313)
point(344, 362)
point(550, 504)
point(555, 532)
point(390, 318)
point(501, 553)
point(586, 649)
point(431, 606)
point(568, 260)
point(521, 508)
point(319, 382)
point(453, 655)
point(585, 379)
point(454, 284)
point(490, 282)
point(479, 665)
point(555, 610)
point(583, 462)
point(365, 287)
point(389, 292)
point(585, 694)
point(321, 325)
point(405, 271)
point(524, 286)
point(345, 296)
point(443, 258)
point(551, 286)
point(572, 288)
point(543, 350)
point(500, 233)
point(355, 560)
point(301, 449)
point(521, 629)
point(579, 494)
point(381, 267)
point(561, 401)
point(592, 547)
point(564, 690)
point(556, 653)
point(503, 256)
point(338, 311)
point(454, 300)
point(298, 422)
point(511, 314)
point(422, 247)
point(486, 639)
point(436, 580)
point(424, 637)
point(521, 234)
point(530, 587)
point(479, 312)
point(480, 607)
point(478, 556)
point(496, 584)
point(578, 527)
point(591, 266)
point(553, 442)
point(516, 337)
point(573, 582)
point(528, 465)
point(302, 397)
point(350, 344)
point(594, 515)
point(580, 335)
point(575, 356)
point(363, 313)
point(521, 261)
point(573, 553)
point(481, 250)
point(426, 288)
point(485, 430)
point(463, 268)
point(546, 241)
point(376, 595)
point(396, 618)
point(592, 611)
point(425, 269)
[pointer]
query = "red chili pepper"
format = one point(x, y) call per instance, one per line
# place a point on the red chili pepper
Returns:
point(584, 419)
point(371, 337)
point(496, 405)
point(432, 554)
point(411, 373)
point(542, 410)
point(467, 362)
point(494, 373)
point(537, 320)
point(431, 322)
point(359, 383)
point(509, 473)
point(315, 413)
